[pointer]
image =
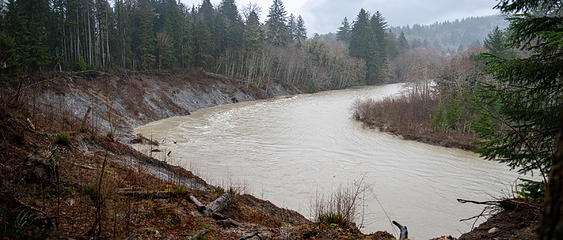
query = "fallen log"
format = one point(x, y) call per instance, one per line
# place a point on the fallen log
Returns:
point(200, 206)
point(220, 203)
point(213, 207)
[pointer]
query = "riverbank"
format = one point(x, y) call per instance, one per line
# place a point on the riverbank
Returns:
point(141, 195)
point(411, 117)
point(122, 100)
point(66, 173)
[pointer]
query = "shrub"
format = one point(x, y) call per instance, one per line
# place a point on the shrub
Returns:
point(110, 134)
point(332, 218)
point(179, 190)
point(62, 138)
point(80, 65)
point(531, 190)
point(89, 190)
point(340, 207)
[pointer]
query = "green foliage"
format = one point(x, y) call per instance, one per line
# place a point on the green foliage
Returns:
point(496, 44)
point(312, 88)
point(438, 121)
point(89, 190)
point(531, 190)
point(277, 31)
point(483, 124)
point(525, 97)
point(368, 42)
point(62, 138)
point(110, 134)
point(453, 113)
point(253, 34)
point(23, 225)
point(179, 190)
point(80, 65)
point(169, 219)
point(343, 33)
point(403, 43)
point(332, 218)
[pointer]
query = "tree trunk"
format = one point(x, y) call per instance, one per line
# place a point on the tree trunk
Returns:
point(552, 222)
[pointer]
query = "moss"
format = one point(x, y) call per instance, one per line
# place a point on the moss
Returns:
point(62, 138)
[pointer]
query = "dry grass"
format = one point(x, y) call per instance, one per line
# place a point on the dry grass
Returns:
point(341, 206)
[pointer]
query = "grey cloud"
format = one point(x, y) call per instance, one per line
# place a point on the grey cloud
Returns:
point(326, 15)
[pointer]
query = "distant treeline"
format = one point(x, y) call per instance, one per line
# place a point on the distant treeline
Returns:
point(163, 35)
point(369, 38)
point(451, 37)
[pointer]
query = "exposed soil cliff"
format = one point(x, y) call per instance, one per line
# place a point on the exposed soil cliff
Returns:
point(124, 100)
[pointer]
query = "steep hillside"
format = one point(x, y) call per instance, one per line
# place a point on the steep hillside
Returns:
point(64, 177)
point(117, 102)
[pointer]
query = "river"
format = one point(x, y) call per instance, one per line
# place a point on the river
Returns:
point(289, 150)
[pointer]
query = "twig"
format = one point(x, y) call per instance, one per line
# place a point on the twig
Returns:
point(495, 203)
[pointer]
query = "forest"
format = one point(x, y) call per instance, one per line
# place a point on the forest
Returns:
point(165, 35)
point(452, 37)
point(501, 98)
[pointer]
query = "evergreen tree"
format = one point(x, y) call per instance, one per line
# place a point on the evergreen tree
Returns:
point(391, 44)
point(525, 96)
point(24, 43)
point(403, 43)
point(277, 31)
point(379, 27)
point(292, 27)
point(144, 39)
point(232, 28)
point(363, 44)
point(202, 43)
point(253, 34)
point(496, 44)
point(206, 12)
point(343, 33)
point(301, 31)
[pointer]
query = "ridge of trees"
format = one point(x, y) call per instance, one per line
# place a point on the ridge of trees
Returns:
point(451, 37)
point(161, 35)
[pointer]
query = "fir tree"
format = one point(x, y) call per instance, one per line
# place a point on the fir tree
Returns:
point(343, 33)
point(144, 39)
point(253, 34)
point(403, 43)
point(292, 27)
point(276, 28)
point(363, 44)
point(232, 25)
point(301, 31)
point(525, 96)
point(496, 44)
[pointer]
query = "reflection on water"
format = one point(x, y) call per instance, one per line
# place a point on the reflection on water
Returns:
point(288, 149)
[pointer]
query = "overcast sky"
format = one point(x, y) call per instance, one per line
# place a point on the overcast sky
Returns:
point(323, 16)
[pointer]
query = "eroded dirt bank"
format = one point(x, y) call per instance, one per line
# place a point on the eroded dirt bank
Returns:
point(124, 100)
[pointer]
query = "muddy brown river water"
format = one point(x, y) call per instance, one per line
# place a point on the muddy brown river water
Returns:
point(288, 150)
